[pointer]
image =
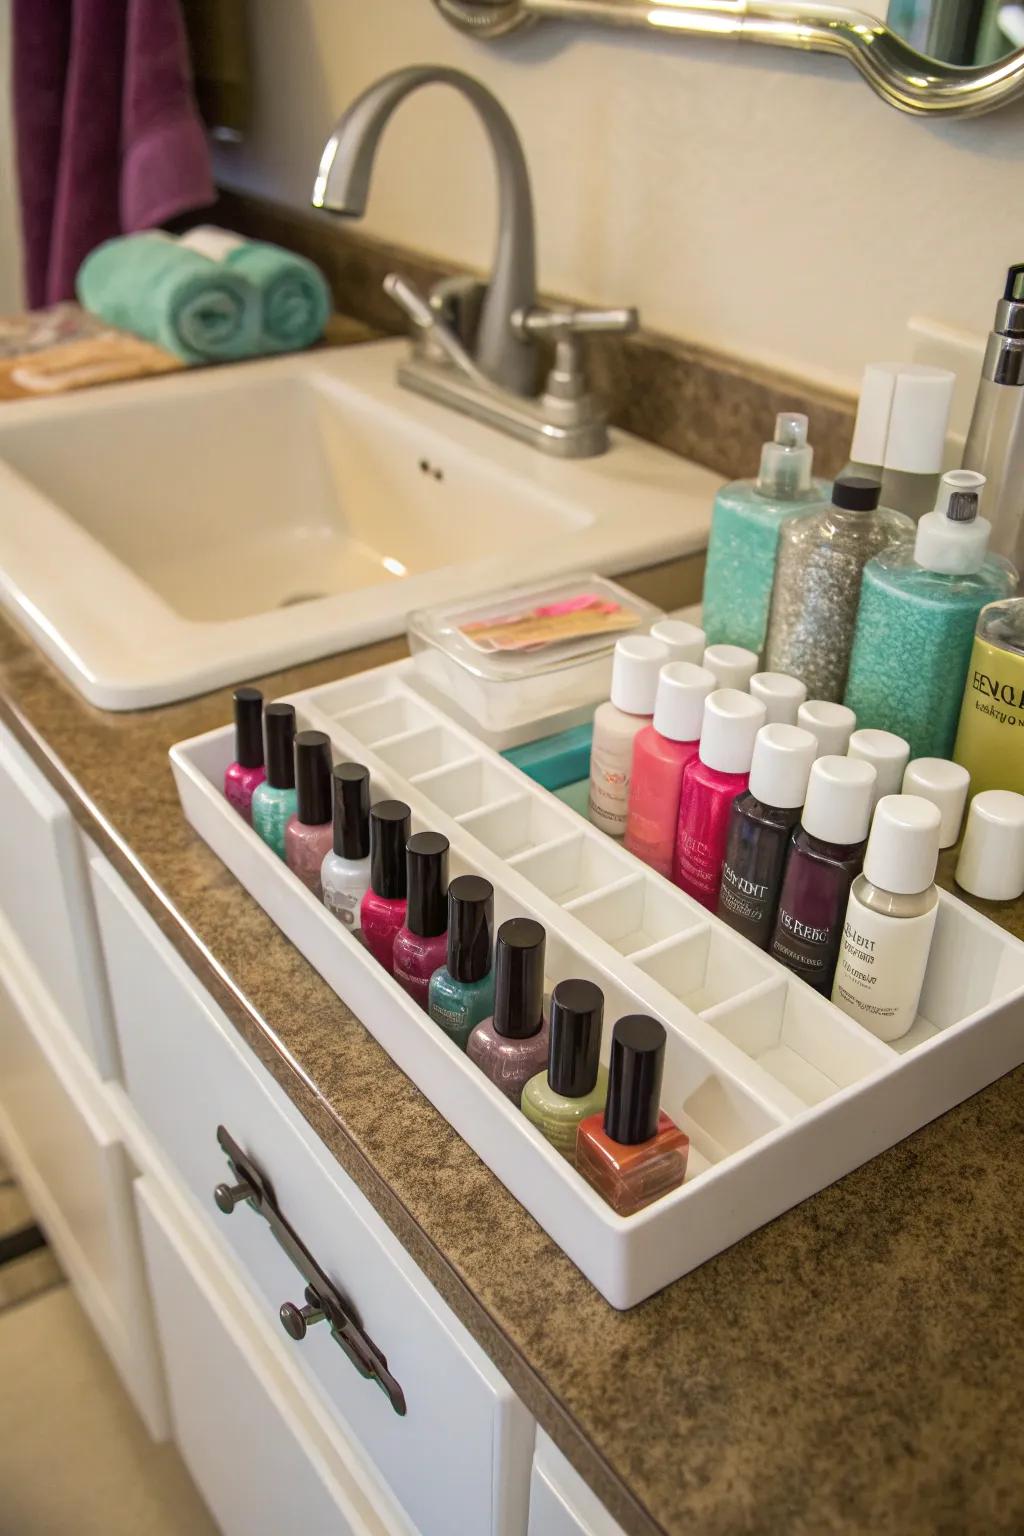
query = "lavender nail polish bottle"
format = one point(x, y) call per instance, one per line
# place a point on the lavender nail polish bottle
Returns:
point(512, 1045)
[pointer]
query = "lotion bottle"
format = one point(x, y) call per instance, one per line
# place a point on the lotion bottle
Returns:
point(890, 918)
point(638, 660)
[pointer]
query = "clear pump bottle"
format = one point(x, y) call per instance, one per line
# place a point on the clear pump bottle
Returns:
point(744, 539)
point(918, 610)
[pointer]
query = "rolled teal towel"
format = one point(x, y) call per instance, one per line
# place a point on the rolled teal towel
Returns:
point(294, 296)
point(198, 309)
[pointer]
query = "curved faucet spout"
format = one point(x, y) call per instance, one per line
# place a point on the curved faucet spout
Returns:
point(343, 182)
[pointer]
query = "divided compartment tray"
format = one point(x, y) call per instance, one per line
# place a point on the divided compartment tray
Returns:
point(779, 1092)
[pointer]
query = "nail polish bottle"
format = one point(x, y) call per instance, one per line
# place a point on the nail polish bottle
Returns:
point(461, 993)
point(633, 1153)
point(888, 755)
point(421, 944)
point(991, 861)
point(575, 1084)
point(345, 872)
point(382, 909)
point(637, 661)
point(890, 918)
point(685, 642)
point(830, 724)
point(732, 665)
point(274, 801)
point(660, 753)
point(825, 857)
point(780, 695)
point(945, 785)
point(512, 1045)
point(242, 776)
point(761, 823)
point(711, 782)
point(308, 835)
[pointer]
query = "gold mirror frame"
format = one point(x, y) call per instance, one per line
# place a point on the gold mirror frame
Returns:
point(901, 76)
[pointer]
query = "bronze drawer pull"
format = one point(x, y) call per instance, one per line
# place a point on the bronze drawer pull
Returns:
point(324, 1301)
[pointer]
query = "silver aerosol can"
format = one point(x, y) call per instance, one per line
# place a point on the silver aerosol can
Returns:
point(995, 442)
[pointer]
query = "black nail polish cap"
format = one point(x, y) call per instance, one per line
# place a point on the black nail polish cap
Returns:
point(351, 810)
point(857, 493)
point(519, 978)
point(389, 833)
point(634, 1079)
point(279, 726)
point(577, 1013)
point(249, 727)
point(470, 925)
point(313, 777)
point(426, 856)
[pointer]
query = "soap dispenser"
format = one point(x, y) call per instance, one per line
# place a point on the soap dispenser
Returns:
point(918, 610)
point(745, 525)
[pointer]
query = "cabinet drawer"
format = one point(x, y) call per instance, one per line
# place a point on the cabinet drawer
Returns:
point(465, 1435)
point(561, 1504)
point(65, 1152)
point(44, 894)
point(251, 1439)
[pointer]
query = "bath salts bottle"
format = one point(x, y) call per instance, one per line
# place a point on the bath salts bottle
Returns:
point(745, 527)
point(821, 559)
point(918, 610)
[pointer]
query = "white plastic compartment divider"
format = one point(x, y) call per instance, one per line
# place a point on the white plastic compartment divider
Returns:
point(780, 1092)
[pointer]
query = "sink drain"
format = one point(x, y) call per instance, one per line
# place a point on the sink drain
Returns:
point(300, 597)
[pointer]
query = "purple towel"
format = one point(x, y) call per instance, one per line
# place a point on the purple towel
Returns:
point(109, 140)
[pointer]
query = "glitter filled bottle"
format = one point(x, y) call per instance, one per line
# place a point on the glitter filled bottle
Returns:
point(745, 527)
point(918, 610)
point(818, 579)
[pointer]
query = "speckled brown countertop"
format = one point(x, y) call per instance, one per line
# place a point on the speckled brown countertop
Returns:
point(857, 1365)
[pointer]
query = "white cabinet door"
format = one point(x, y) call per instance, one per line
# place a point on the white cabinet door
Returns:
point(465, 1436)
point(561, 1504)
point(255, 1448)
point(44, 895)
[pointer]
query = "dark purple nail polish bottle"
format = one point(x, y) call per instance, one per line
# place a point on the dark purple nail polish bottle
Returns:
point(825, 857)
point(760, 826)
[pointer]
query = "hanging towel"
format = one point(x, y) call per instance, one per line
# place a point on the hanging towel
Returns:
point(150, 284)
point(108, 136)
point(295, 301)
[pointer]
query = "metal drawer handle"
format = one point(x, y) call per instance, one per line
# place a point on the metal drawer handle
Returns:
point(324, 1301)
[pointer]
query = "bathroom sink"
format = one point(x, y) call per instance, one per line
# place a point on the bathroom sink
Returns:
point(165, 537)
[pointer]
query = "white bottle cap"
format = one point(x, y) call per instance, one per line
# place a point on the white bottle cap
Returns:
point(945, 784)
point(902, 416)
point(839, 800)
point(731, 722)
point(954, 539)
point(679, 707)
point(903, 848)
point(888, 755)
point(832, 724)
point(685, 641)
point(635, 666)
point(733, 665)
point(991, 862)
point(780, 694)
point(781, 766)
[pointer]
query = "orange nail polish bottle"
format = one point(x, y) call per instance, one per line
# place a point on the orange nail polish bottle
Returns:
point(632, 1153)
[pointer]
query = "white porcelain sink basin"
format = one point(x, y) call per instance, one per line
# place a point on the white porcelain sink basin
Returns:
point(166, 537)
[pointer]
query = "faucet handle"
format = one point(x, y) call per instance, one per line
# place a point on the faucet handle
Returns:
point(432, 326)
point(560, 324)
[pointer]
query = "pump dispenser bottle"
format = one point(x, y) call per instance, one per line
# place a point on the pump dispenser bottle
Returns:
point(995, 440)
point(745, 527)
point(637, 661)
point(826, 856)
point(918, 610)
point(890, 918)
point(817, 583)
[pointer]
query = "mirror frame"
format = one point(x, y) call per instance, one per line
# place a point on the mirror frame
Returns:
point(904, 78)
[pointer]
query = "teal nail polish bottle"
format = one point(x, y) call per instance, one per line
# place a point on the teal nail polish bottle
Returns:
point(274, 802)
point(461, 993)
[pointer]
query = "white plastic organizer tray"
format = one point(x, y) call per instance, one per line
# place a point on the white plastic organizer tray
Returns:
point(779, 1091)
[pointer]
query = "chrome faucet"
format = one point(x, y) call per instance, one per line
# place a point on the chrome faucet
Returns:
point(476, 345)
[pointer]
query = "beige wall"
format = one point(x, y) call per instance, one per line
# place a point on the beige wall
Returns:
point(10, 253)
point(763, 203)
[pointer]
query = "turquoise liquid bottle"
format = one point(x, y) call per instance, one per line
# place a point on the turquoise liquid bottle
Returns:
point(918, 610)
point(744, 538)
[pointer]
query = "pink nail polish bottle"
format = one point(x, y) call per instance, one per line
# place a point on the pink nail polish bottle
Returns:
point(711, 782)
point(421, 945)
point(382, 909)
point(309, 834)
point(660, 753)
point(242, 776)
